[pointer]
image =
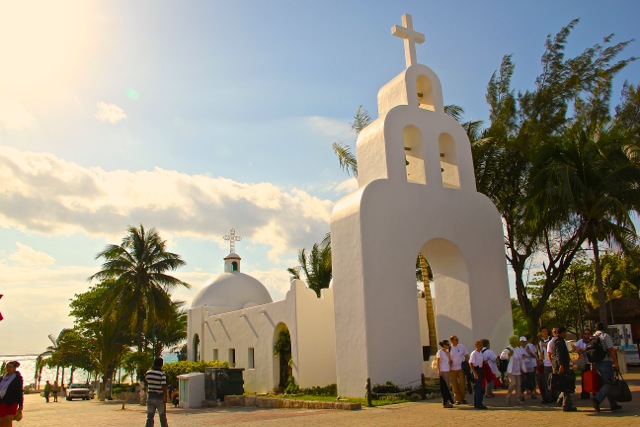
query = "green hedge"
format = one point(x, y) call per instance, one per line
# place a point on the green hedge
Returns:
point(173, 369)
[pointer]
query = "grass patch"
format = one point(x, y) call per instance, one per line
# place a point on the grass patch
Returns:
point(375, 402)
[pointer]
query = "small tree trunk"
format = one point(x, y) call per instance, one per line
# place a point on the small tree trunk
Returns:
point(602, 298)
point(431, 318)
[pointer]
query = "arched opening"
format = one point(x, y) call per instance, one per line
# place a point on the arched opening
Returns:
point(444, 302)
point(234, 266)
point(425, 93)
point(282, 370)
point(196, 348)
point(448, 162)
point(451, 296)
point(414, 152)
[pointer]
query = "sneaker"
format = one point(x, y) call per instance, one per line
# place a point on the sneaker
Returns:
point(447, 405)
point(596, 404)
point(616, 408)
point(458, 402)
point(570, 409)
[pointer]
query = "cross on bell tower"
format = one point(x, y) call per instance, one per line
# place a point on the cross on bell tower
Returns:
point(232, 238)
point(410, 37)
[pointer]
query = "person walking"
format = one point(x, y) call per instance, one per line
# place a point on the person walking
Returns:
point(55, 389)
point(157, 395)
point(47, 391)
point(513, 354)
point(545, 365)
point(475, 363)
point(11, 395)
point(529, 358)
point(580, 347)
point(555, 396)
point(562, 367)
point(489, 369)
point(459, 355)
point(605, 368)
point(443, 361)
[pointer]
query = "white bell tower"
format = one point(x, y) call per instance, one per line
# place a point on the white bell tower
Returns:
point(417, 194)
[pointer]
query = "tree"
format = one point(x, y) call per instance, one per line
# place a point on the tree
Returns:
point(316, 267)
point(140, 292)
point(509, 165)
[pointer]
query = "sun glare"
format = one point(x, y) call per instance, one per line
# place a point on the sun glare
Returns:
point(41, 45)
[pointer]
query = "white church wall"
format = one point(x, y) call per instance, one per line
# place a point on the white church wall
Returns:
point(310, 323)
point(316, 337)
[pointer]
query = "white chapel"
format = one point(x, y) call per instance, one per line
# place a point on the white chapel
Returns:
point(417, 194)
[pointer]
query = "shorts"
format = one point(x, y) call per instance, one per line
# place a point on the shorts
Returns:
point(9, 409)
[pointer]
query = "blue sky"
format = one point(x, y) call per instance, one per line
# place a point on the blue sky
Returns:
point(198, 116)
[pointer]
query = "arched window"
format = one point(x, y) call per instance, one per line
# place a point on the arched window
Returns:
point(234, 266)
point(414, 155)
point(196, 348)
point(425, 93)
point(449, 162)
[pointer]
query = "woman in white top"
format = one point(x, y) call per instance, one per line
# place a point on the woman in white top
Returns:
point(529, 375)
point(443, 360)
point(513, 354)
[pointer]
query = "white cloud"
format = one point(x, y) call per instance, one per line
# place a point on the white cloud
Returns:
point(347, 186)
point(44, 194)
point(109, 112)
point(14, 116)
point(26, 255)
point(332, 128)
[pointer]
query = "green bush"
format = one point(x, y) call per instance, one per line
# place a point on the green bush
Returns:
point(173, 369)
point(329, 390)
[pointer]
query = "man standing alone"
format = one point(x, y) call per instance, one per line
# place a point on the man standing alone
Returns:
point(156, 393)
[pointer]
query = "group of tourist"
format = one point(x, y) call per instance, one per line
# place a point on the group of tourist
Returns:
point(527, 368)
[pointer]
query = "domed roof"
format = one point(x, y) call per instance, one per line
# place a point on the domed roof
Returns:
point(231, 291)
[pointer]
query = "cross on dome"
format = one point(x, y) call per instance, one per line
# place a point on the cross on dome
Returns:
point(410, 37)
point(232, 238)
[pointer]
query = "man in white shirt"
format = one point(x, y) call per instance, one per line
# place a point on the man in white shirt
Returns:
point(546, 365)
point(475, 363)
point(555, 397)
point(458, 355)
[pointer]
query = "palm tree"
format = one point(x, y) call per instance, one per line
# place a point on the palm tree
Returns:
point(589, 178)
point(316, 267)
point(141, 289)
point(169, 331)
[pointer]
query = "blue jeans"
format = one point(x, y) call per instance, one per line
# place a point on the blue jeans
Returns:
point(605, 369)
point(153, 403)
point(478, 390)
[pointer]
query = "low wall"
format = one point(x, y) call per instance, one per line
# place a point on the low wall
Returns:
point(265, 402)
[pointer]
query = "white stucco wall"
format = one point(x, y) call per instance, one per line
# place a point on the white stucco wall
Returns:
point(255, 328)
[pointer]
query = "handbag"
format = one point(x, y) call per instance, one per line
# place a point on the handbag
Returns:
point(619, 389)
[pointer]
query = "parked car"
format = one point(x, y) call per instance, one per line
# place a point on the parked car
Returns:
point(80, 391)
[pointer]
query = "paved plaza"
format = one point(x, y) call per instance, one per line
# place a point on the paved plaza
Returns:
point(430, 412)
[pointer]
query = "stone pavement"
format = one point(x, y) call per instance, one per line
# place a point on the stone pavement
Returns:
point(99, 414)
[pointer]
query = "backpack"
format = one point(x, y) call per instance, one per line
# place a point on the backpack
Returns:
point(503, 364)
point(595, 350)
